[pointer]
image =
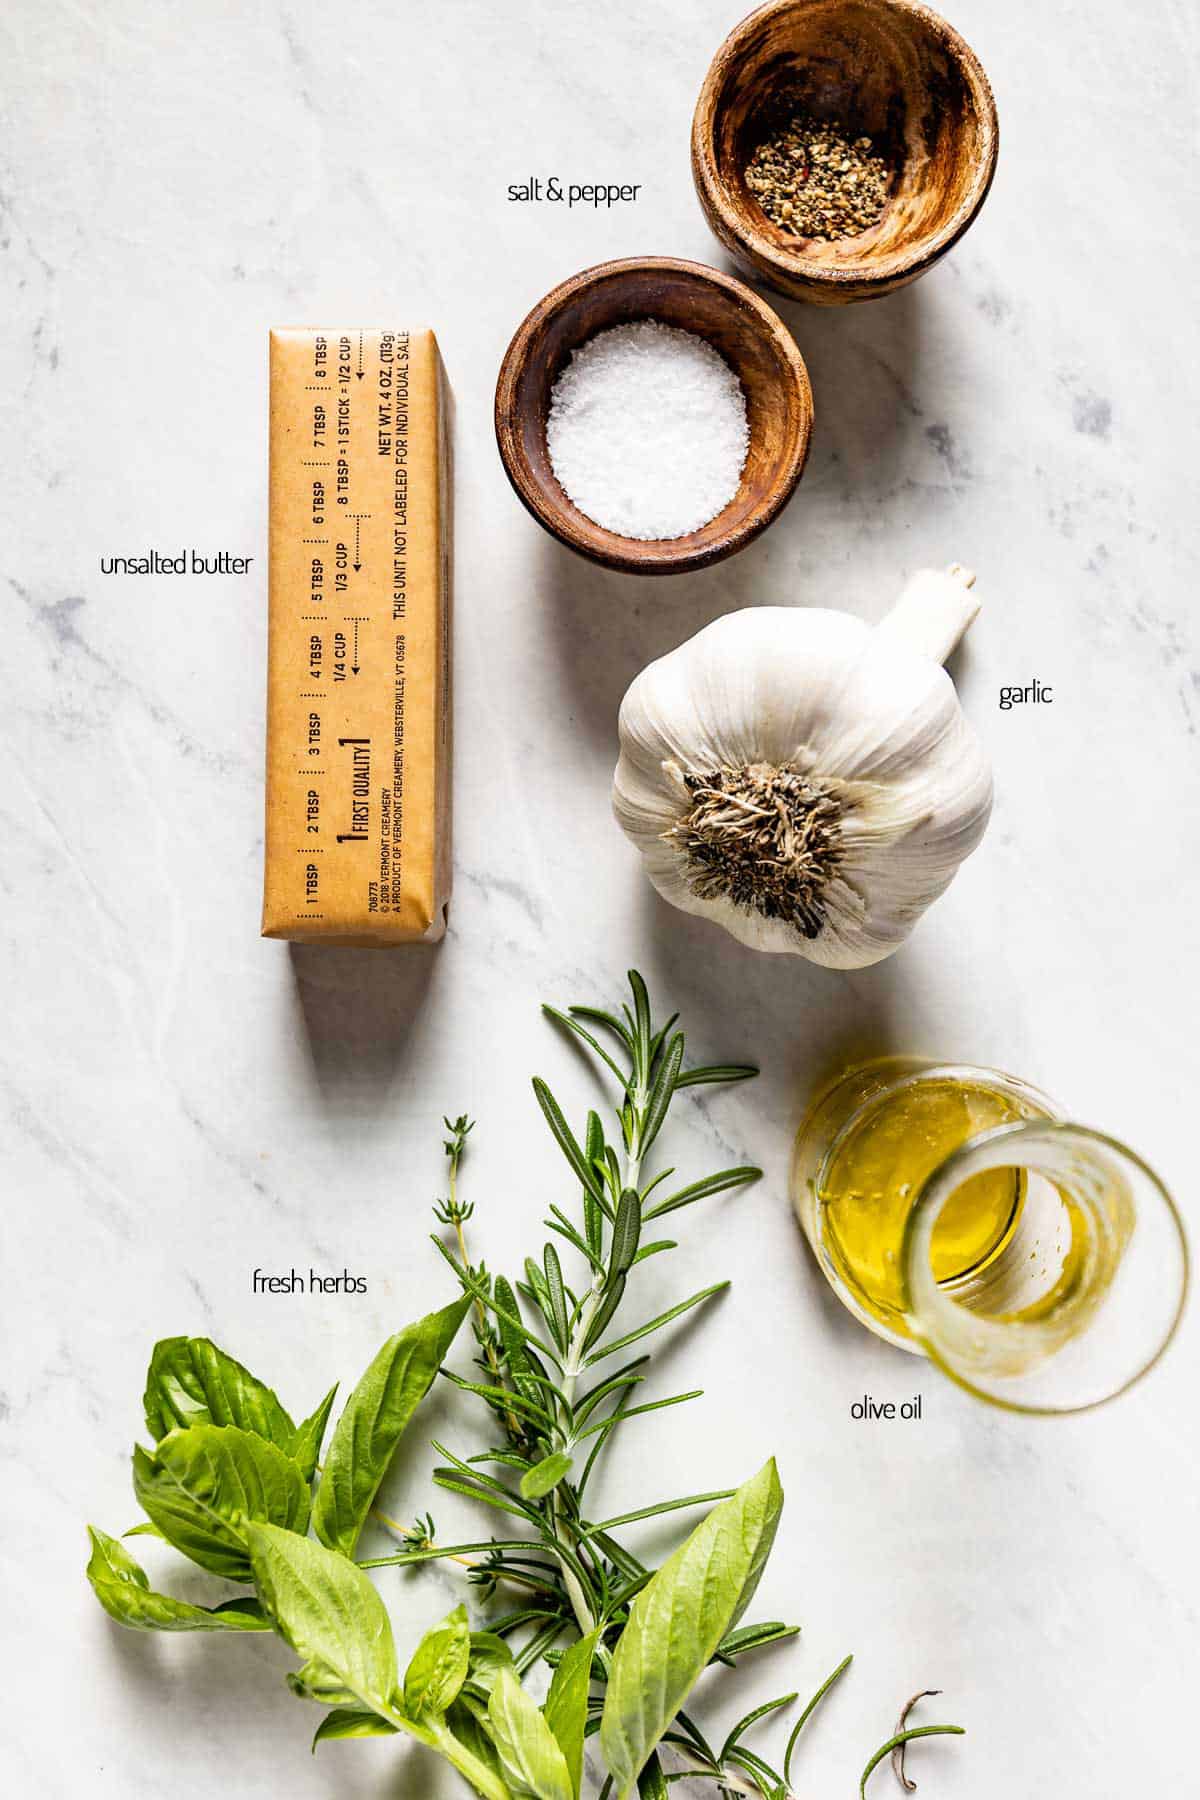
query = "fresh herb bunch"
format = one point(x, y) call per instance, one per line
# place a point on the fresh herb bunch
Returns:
point(232, 1483)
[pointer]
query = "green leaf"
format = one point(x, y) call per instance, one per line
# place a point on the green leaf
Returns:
point(662, 1034)
point(680, 1617)
point(566, 1707)
point(652, 1512)
point(192, 1382)
point(204, 1484)
point(305, 1447)
point(406, 1558)
point(626, 1232)
point(123, 1590)
point(642, 1030)
point(652, 1783)
point(565, 1139)
point(563, 1227)
point(664, 1091)
point(748, 1721)
point(655, 1249)
point(533, 1766)
point(452, 1482)
point(700, 1190)
point(608, 1020)
point(624, 1413)
point(610, 1173)
point(614, 1293)
point(806, 1715)
point(557, 1293)
point(328, 1611)
point(467, 1724)
point(716, 1072)
point(514, 1337)
point(439, 1666)
point(349, 1724)
point(754, 1637)
point(314, 1680)
point(503, 1399)
point(537, 1292)
point(586, 1037)
point(674, 1312)
point(373, 1420)
point(624, 1377)
point(635, 1573)
point(593, 1217)
point(905, 1737)
point(545, 1476)
point(488, 1655)
point(487, 1485)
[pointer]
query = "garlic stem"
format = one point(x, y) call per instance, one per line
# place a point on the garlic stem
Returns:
point(934, 611)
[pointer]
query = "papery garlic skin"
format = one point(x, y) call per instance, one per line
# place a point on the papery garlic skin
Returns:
point(871, 721)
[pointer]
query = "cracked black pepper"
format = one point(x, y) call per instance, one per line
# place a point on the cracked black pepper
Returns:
point(815, 180)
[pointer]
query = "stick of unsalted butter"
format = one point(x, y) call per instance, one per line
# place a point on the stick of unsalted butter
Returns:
point(358, 681)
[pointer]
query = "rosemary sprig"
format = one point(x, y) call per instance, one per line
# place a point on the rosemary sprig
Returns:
point(544, 1343)
point(543, 1340)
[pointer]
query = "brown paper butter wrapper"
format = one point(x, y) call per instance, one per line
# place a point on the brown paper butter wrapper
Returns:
point(358, 678)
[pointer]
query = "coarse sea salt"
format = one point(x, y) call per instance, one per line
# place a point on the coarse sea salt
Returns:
point(647, 430)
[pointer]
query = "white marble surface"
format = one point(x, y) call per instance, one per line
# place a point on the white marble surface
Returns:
point(183, 1102)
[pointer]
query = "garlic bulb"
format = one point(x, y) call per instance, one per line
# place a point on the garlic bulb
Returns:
point(804, 779)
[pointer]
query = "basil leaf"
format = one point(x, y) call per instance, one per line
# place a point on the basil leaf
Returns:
point(466, 1723)
point(539, 1481)
point(329, 1612)
point(331, 1615)
point(305, 1447)
point(680, 1617)
point(533, 1766)
point(346, 1723)
point(489, 1654)
point(439, 1666)
point(373, 1420)
point(192, 1382)
point(123, 1590)
point(316, 1681)
point(203, 1485)
point(566, 1707)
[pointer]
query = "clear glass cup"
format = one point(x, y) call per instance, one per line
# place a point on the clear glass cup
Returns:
point(1041, 1265)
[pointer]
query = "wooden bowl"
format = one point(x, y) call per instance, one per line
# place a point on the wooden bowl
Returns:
point(889, 69)
point(754, 342)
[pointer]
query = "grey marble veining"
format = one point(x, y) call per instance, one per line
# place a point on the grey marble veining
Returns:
point(182, 1103)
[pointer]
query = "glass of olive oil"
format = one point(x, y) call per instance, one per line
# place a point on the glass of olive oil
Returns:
point(955, 1212)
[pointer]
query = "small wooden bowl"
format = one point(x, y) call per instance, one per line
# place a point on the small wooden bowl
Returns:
point(754, 342)
point(891, 70)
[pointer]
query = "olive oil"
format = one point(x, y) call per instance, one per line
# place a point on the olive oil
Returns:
point(875, 1171)
point(958, 1214)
